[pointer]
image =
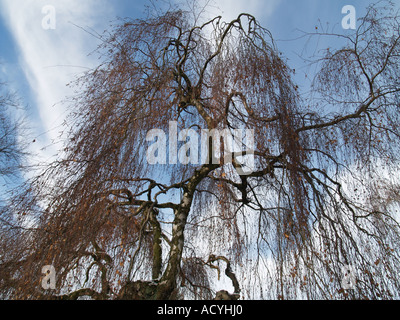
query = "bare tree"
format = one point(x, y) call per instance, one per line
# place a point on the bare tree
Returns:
point(12, 150)
point(115, 226)
point(13, 153)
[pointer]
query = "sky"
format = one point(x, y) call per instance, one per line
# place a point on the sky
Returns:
point(45, 44)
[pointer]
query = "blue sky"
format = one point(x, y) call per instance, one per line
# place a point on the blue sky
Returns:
point(38, 63)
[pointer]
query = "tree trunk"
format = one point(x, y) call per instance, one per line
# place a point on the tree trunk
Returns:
point(167, 284)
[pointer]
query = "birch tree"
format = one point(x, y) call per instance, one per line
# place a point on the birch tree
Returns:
point(319, 198)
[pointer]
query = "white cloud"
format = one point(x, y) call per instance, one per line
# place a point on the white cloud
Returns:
point(52, 58)
point(230, 9)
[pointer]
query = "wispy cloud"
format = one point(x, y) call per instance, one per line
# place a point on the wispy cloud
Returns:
point(52, 58)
